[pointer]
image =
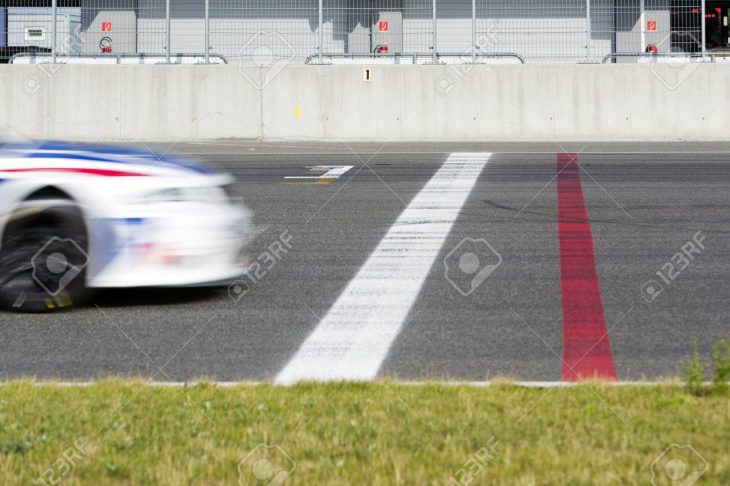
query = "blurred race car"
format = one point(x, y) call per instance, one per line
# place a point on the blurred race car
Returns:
point(75, 218)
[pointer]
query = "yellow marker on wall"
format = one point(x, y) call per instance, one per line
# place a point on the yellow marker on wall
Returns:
point(297, 112)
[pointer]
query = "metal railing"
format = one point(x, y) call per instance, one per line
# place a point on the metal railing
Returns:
point(255, 32)
point(128, 58)
point(652, 56)
point(415, 57)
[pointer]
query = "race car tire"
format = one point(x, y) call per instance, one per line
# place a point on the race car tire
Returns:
point(43, 257)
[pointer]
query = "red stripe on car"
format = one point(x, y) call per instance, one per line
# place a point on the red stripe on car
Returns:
point(97, 172)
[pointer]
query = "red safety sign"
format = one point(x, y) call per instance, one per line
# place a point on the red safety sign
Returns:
point(383, 26)
point(106, 26)
point(651, 25)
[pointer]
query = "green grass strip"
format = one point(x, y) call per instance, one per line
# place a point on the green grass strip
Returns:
point(127, 432)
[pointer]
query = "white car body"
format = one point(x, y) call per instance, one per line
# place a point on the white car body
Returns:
point(151, 220)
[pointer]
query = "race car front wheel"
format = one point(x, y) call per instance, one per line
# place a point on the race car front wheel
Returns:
point(43, 257)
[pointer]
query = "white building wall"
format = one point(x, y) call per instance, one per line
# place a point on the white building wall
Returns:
point(539, 30)
point(603, 26)
point(67, 28)
point(453, 25)
point(235, 31)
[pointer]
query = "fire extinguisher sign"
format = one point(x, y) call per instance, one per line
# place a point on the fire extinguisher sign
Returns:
point(383, 26)
point(106, 26)
point(651, 25)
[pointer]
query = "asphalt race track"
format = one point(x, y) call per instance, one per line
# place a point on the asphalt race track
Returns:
point(393, 312)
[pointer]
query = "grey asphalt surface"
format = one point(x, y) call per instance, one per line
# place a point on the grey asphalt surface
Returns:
point(644, 201)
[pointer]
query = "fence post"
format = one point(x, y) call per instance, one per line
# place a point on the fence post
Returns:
point(642, 18)
point(588, 30)
point(473, 31)
point(54, 13)
point(434, 54)
point(167, 30)
point(704, 33)
point(320, 41)
point(207, 31)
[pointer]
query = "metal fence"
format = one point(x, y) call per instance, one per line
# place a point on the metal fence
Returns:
point(257, 31)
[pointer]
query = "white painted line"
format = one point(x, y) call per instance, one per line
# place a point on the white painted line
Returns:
point(330, 172)
point(352, 340)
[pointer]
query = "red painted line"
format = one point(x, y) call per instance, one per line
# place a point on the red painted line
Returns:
point(97, 172)
point(586, 346)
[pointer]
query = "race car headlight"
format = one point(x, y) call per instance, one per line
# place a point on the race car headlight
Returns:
point(210, 195)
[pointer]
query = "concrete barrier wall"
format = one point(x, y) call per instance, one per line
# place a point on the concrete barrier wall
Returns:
point(408, 103)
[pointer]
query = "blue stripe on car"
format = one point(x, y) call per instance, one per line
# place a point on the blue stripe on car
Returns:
point(68, 155)
point(106, 153)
